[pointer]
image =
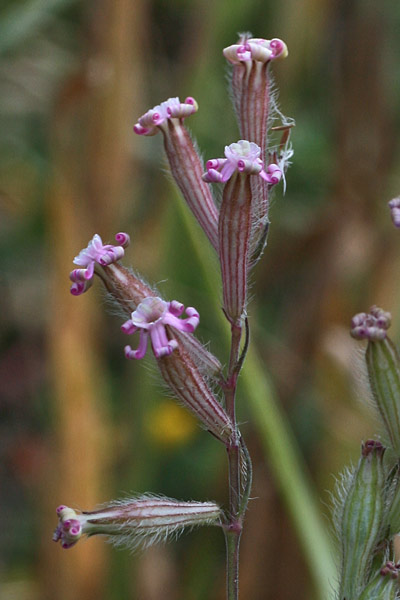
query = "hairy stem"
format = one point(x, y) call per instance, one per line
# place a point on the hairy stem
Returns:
point(278, 442)
point(234, 526)
point(232, 539)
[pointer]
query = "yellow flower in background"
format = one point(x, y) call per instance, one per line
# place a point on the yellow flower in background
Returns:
point(169, 424)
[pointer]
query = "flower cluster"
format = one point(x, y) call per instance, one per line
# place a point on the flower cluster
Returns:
point(371, 326)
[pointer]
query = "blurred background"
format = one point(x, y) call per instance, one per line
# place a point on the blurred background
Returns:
point(78, 423)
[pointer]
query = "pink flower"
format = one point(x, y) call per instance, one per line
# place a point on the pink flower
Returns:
point(150, 318)
point(184, 161)
point(256, 49)
point(156, 117)
point(96, 252)
point(244, 157)
point(256, 110)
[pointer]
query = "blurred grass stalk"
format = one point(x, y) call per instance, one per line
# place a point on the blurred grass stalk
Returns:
point(87, 195)
point(280, 447)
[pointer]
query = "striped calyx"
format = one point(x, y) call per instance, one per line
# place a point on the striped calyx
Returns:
point(241, 165)
point(384, 585)
point(235, 227)
point(383, 365)
point(182, 375)
point(361, 519)
point(250, 59)
point(184, 161)
point(134, 522)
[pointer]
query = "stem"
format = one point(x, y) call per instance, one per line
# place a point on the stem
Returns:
point(233, 532)
point(234, 526)
point(232, 539)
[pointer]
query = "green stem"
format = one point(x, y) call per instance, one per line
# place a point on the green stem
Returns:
point(233, 533)
point(232, 540)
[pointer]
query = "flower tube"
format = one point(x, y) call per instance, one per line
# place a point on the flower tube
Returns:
point(242, 164)
point(134, 522)
point(184, 161)
point(250, 59)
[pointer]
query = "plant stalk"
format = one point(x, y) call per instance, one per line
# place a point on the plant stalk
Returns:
point(232, 539)
point(234, 527)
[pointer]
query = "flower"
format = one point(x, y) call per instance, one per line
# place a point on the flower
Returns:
point(244, 157)
point(257, 49)
point(134, 521)
point(172, 108)
point(184, 161)
point(256, 108)
point(150, 318)
point(96, 252)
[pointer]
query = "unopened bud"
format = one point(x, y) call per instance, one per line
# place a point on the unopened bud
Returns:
point(361, 519)
point(383, 366)
point(394, 206)
point(384, 585)
point(134, 522)
point(370, 326)
point(393, 514)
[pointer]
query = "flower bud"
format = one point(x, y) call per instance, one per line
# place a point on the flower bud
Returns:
point(359, 519)
point(384, 585)
point(370, 326)
point(184, 161)
point(383, 365)
point(394, 206)
point(393, 514)
point(134, 522)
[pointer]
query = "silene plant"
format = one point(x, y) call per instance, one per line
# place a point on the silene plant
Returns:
point(236, 222)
